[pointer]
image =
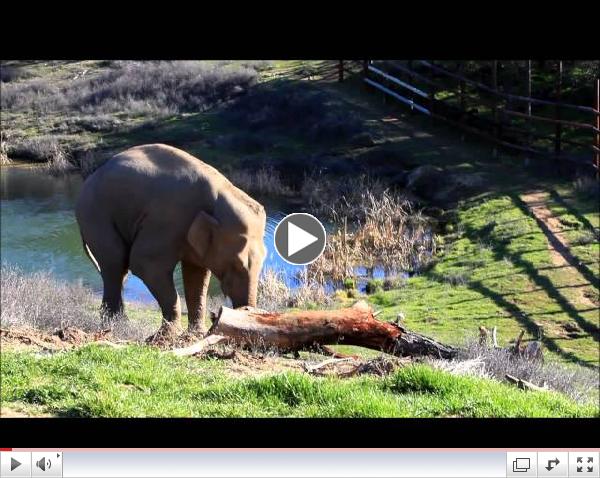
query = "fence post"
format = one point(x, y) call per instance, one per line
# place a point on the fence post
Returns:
point(558, 132)
point(529, 123)
point(597, 122)
point(495, 112)
point(461, 72)
point(341, 71)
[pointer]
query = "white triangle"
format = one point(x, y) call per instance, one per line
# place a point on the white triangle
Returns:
point(298, 239)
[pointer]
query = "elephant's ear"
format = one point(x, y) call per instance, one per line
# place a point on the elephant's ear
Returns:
point(201, 232)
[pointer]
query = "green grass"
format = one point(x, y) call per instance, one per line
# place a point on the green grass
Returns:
point(507, 280)
point(140, 381)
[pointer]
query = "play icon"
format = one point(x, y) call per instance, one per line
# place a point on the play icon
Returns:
point(299, 238)
point(14, 464)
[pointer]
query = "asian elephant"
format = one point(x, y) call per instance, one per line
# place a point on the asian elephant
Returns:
point(153, 206)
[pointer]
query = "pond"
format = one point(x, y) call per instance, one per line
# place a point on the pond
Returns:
point(39, 231)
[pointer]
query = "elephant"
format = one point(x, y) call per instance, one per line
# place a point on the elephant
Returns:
point(152, 206)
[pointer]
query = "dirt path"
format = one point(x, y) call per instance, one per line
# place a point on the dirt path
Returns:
point(558, 245)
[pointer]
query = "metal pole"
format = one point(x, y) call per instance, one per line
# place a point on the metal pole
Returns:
point(341, 71)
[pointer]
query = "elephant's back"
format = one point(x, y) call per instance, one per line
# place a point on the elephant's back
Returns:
point(153, 183)
point(160, 160)
point(157, 173)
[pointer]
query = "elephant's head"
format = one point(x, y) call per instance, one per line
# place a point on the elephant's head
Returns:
point(233, 250)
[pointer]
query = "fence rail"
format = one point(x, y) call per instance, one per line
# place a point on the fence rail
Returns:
point(418, 90)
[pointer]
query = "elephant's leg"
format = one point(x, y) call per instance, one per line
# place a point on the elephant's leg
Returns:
point(111, 255)
point(154, 262)
point(113, 278)
point(162, 286)
point(160, 283)
point(195, 283)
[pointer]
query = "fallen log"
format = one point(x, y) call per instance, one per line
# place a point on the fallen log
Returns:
point(308, 329)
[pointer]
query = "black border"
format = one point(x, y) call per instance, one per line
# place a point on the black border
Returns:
point(302, 31)
point(286, 433)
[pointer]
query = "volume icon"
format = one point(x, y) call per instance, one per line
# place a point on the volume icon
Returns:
point(44, 463)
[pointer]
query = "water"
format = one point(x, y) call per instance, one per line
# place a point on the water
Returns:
point(39, 232)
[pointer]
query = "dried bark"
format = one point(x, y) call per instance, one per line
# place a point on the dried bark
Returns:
point(309, 329)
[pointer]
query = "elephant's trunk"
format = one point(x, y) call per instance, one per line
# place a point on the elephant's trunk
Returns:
point(253, 291)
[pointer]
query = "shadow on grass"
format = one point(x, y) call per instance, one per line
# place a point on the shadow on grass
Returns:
point(558, 245)
point(501, 251)
point(509, 294)
point(529, 325)
point(74, 412)
point(580, 217)
point(523, 318)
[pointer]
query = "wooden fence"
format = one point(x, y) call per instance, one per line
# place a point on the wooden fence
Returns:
point(508, 121)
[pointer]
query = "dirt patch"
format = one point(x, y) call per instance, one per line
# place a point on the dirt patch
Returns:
point(239, 362)
point(167, 339)
point(61, 339)
point(536, 201)
point(246, 364)
point(351, 366)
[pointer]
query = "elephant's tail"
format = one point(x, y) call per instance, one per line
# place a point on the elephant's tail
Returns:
point(89, 254)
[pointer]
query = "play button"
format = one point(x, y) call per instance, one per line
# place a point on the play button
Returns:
point(14, 464)
point(299, 238)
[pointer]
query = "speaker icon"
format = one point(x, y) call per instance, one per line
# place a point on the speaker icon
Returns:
point(43, 463)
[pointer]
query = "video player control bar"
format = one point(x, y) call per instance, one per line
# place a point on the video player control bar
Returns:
point(298, 463)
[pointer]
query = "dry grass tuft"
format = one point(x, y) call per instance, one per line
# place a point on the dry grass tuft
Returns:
point(581, 384)
point(275, 294)
point(265, 181)
point(42, 302)
point(388, 233)
point(4, 160)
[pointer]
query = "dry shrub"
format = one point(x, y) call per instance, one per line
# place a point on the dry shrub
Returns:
point(58, 161)
point(579, 383)
point(336, 198)
point(274, 293)
point(309, 292)
point(388, 233)
point(4, 160)
point(40, 301)
point(39, 148)
point(264, 181)
point(136, 87)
